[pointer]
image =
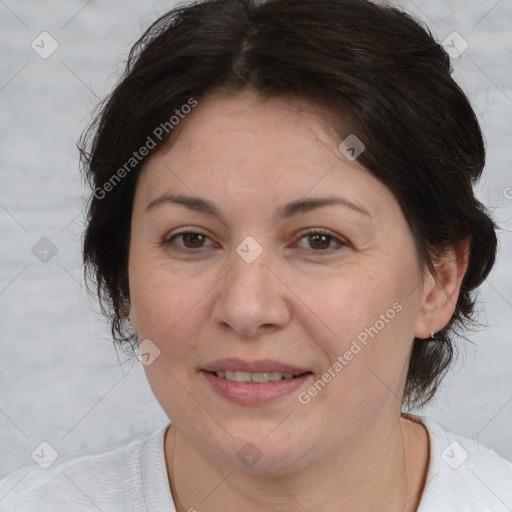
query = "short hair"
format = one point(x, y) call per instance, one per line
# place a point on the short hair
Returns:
point(382, 76)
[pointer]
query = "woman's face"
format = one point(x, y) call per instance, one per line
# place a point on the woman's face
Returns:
point(255, 289)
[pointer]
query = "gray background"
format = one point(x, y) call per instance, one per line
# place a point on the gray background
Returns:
point(61, 380)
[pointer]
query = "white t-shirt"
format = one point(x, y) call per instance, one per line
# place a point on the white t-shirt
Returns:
point(463, 476)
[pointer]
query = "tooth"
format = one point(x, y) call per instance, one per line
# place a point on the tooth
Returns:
point(242, 376)
point(260, 377)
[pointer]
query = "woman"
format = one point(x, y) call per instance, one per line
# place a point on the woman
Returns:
point(283, 222)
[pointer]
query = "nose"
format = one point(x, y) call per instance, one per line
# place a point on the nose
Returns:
point(252, 298)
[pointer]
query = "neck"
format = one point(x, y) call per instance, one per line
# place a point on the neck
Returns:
point(383, 469)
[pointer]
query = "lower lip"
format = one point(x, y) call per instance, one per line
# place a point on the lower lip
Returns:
point(257, 393)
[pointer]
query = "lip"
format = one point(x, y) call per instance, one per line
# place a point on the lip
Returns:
point(262, 366)
point(254, 394)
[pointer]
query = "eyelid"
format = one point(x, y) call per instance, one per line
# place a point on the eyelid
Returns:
point(320, 231)
point(168, 238)
point(184, 231)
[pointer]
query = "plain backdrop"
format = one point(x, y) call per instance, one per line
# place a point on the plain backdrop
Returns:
point(61, 380)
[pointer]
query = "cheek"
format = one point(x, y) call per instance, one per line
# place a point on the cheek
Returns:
point(347, 305)
point(170, 311)
point(365, 328)
point(164, 298)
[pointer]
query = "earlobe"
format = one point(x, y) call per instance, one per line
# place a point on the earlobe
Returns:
point(441, 290)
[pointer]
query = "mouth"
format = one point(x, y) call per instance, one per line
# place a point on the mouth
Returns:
point(260, 367)
point(253, 383)
point(256, 378)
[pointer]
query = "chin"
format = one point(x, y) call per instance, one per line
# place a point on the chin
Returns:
point(256, 451)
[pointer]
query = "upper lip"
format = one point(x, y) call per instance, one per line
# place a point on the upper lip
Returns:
point(261, 366)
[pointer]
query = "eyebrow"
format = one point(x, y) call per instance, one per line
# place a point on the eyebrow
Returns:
point(290, 209)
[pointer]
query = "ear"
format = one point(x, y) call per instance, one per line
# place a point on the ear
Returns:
point(441, 290)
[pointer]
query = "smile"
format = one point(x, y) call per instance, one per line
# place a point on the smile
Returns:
point(257, 378)
point(254, 389)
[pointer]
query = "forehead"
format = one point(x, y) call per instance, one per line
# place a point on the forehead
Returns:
point(243, 147)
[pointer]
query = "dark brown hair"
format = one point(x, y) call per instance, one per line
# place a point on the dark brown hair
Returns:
point(373, 66)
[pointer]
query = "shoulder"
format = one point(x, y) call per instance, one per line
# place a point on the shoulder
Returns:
point(109, 480)
point(464, 475)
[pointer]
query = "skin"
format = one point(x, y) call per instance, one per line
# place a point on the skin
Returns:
point(301, 302)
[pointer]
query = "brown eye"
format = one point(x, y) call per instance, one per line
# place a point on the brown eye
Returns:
point(322, 241)
point(319, 241)
point(193, 240)
point(190, 240)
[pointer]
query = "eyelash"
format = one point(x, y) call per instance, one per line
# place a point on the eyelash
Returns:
point(303, 234)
